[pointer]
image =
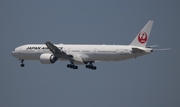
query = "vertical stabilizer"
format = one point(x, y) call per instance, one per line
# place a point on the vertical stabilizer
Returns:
point(143, 36)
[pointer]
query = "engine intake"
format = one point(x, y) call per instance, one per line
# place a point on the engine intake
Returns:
point(47, 58)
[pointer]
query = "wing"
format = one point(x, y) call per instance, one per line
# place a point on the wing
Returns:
point(56, 51)
point(59, 53)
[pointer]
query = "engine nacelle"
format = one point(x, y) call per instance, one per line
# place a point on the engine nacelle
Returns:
point(47, 58)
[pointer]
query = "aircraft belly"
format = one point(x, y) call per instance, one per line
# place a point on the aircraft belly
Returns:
point(29, 56)
point(105, 57)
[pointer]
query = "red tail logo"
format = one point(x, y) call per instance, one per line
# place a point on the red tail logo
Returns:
point(142, 37)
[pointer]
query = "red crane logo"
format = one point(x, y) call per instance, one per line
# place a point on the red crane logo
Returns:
point(142, 37)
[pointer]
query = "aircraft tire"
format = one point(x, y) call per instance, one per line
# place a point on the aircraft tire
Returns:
point(22, 65)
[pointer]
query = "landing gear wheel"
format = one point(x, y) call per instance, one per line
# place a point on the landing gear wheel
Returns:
point(90, 66)
point(68, 65)
point(87, 66)
point(76, 67)
point(72, 66)
point(22, 65)
point(94, 68)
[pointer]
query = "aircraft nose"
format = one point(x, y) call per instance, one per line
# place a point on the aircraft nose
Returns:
point(14, 53)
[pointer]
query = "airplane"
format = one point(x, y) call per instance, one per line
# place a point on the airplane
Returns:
point(84, 54)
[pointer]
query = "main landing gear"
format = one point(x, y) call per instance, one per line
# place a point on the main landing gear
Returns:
point(72, 66)
point(22, 63)
point(91, 66)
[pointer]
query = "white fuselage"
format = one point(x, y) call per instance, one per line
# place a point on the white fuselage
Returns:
point(86, 52)
point(49, 53)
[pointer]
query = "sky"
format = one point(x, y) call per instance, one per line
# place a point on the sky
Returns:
point(148, 81)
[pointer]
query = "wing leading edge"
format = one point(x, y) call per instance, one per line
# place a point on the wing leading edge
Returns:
point(55, 50)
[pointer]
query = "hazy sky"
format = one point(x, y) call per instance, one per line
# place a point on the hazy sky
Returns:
point(148, 81)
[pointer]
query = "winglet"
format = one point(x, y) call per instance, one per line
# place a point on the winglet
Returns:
point(143, 36)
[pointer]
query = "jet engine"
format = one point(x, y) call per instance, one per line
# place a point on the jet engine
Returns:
point(47, 58)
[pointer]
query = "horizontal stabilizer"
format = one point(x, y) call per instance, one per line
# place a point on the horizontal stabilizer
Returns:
point(152, 46)
point(166, 49)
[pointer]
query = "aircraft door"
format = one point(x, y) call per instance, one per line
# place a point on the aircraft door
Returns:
point(95, 50)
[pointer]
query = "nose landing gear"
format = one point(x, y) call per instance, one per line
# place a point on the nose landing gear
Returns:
point(22, 63)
